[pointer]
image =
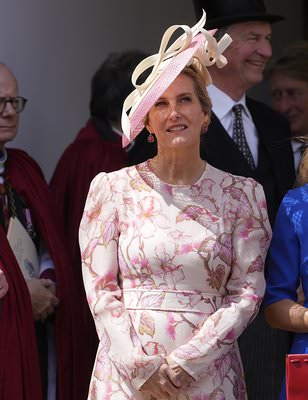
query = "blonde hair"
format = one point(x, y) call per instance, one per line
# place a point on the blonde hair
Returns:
point(199, 74)
point(200, 77)
point(302, 175)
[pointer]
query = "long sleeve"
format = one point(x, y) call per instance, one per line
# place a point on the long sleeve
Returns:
point(284, 255)
point(98, 236)
point(209, 349)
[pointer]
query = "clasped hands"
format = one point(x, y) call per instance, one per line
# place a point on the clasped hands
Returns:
point(167, 381)
point(43, 298)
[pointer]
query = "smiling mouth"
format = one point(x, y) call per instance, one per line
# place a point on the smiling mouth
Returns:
point(177, 128)
point(254, 63)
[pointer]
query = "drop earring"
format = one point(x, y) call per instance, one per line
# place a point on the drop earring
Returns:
point(151, 138)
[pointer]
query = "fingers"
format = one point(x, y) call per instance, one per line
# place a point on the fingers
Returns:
point(180, 379)
point(42, 297)
point(159, 385)
point(46, 282)
point(3, 284)
point(47, 311)
point(177, 375)
point(165, 382)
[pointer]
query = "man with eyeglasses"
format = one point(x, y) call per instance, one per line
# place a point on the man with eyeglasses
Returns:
point(31, 322)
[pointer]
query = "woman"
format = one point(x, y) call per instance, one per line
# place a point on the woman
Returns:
point(288, 266)
point(173, 249)
point(98, 145)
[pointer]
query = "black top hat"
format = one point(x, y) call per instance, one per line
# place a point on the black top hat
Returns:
point(221, 13)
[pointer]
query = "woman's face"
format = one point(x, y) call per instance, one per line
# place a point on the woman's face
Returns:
point(177, 117)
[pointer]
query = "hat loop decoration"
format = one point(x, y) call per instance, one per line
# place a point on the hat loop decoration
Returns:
point(166, 65)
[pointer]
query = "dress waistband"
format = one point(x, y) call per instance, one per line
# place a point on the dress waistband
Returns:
point(171, 300)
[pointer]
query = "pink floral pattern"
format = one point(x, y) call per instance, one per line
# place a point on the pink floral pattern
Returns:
point(172, 270)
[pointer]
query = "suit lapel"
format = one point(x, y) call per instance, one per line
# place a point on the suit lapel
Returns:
point(220, 150)
point(277, 147)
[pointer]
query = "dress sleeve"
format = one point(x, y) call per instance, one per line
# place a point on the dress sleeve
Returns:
point(119, 347)
point(284, 258)
point(210, 348)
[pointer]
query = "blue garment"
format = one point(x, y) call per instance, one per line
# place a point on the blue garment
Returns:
point(288, 258)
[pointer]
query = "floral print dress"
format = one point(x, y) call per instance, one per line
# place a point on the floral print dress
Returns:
point(172, 270)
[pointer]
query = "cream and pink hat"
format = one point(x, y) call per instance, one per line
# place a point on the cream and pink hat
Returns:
point(166, 65)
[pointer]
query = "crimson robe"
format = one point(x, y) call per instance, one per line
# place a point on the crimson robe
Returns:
point(96, 148)
point(81, 161)
point(19, 365)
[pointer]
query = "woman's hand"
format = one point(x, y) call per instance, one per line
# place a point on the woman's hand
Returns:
point(177, 375)
point(43, 298)
point(159, 386)
point(3, 284)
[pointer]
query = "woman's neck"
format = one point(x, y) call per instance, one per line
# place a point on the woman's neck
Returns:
point(177, 169)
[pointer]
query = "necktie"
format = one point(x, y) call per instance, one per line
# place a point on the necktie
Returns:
point(239, 135)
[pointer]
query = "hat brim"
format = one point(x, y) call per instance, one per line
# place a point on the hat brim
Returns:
point(166, 77)
point(226, 21)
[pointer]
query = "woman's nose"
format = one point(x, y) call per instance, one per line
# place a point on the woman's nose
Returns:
point(174, 113)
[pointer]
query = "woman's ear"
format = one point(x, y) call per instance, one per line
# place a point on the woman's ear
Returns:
point(147, 123)
point(206, 119)
point(205, 124)
point(148, 127)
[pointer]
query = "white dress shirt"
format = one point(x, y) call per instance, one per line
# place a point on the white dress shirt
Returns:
point(222, 107)
point(297, 148)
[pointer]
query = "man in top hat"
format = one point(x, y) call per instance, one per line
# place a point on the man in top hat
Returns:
point(248, 138)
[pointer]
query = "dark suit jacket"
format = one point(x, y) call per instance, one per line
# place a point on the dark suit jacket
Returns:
point(262, 348)
point(273, 130)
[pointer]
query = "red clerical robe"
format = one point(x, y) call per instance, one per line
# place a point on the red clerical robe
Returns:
point(81, 161)
point(19, 366)
point(95, 149)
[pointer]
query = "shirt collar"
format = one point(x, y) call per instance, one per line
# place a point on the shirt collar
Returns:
point(297, 145)
point(222, 103)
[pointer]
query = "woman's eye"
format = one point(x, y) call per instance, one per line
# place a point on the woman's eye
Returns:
point(160, 103)
point(185, 99)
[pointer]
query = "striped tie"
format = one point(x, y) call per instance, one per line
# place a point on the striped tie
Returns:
point(239, 135)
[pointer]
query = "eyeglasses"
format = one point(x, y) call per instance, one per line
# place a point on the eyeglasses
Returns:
point(18, 103)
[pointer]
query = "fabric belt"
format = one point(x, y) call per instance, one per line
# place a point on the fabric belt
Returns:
point(171, 300)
